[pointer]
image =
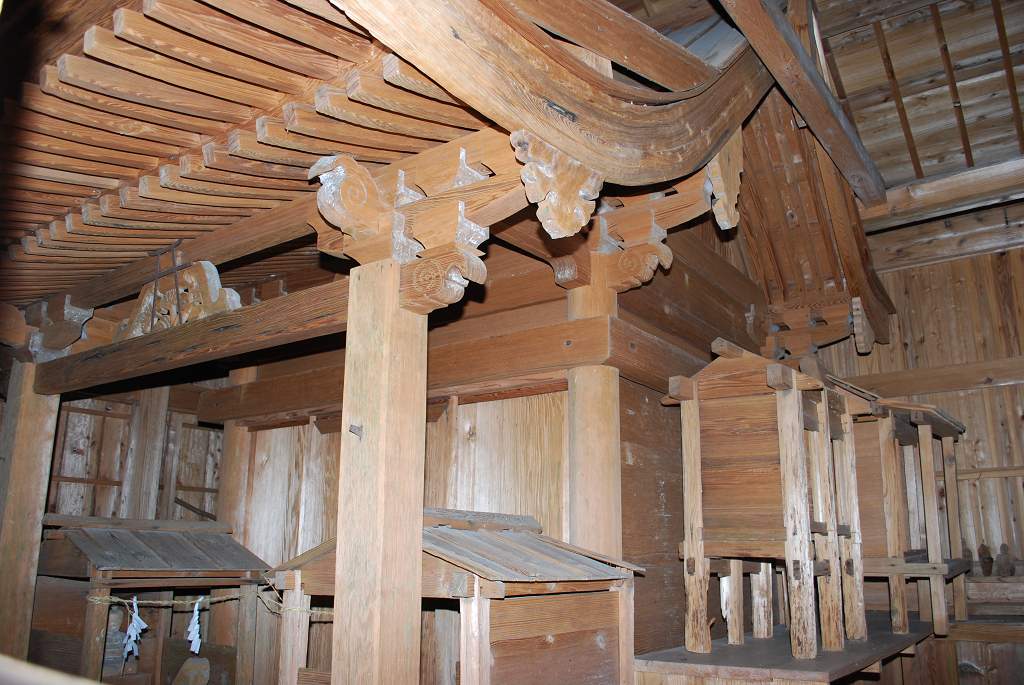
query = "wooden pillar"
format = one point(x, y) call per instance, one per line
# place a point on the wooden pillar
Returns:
point(231, 503)
point(95, 638)
point(475, 638)
point(848, 513)
point(940, 619)
point(380, 491)
point(148, 435)
point(732, 590)
point(626, 633)
point(956, 540)
point(245, 646)
point(595, 472)
point(803, 630)
point(696, 567)
point(294, 632)
point(26, 453)
point(830, 590)
point(892, 502)
point(761, 600)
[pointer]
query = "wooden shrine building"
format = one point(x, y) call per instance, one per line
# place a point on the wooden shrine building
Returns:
point(726, 297)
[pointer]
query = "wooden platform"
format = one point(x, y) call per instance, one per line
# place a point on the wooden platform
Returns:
point(765, 660)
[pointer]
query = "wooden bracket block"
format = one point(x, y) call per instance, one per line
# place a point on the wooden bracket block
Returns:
point(680, 389)
point(65, 322)
point(780, 377)
point(563, 188)
point(724, 348)
point(723, 172)
point(863, 333)
point(14, 331)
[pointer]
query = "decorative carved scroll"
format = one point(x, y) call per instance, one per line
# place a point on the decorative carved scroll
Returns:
point(450, 260)
point(631, 247)
point(563, 189)
point(198, 292)
point(723, 174)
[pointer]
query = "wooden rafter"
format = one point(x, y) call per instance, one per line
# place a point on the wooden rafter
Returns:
point(897, 98)
point(954, 93)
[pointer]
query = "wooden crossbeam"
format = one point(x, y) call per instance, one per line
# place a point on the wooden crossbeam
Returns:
point(779, 47)
point(953, 378)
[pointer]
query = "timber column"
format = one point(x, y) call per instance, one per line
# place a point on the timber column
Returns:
point(26, 453)
point(380, 497)
point(595, 472)
point(417, 250)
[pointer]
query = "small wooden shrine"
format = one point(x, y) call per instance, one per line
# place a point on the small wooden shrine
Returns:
point(525, 606)
point(89, 559)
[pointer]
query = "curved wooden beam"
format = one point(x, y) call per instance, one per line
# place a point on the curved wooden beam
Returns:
point(493, 58)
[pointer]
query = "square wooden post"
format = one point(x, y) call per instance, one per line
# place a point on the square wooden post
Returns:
point(848, 513)
point(245, 646)
point(761, 600)
point(892, 502)
point(830, 590)
point(625, 592)
point(380, 491)
point(294, 631)
point(475, 638)
point(95, 638)
point(26, 454)
point(926, 448)
point(956, 540)
point(732, 592)
point(797, 518)
point(697, 568)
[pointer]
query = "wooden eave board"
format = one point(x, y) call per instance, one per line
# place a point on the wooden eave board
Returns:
point(118, 549)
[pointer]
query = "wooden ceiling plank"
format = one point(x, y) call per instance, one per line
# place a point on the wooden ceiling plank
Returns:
point(334, 102)
point(221, 29)
point(74, 229)
point(854, 14)
point(92, 221)
point(217, 156)
point(149, 34)
point(193, 167)
point(246, 145)
point(109, 260)
point(170, 177)
point(35, 207)
point(52, 116)
point(68, 164)
point(837, 79)
point(325, 10)
point(950, 194)
point(126, 85)
point(129, 198)
point(273, 132)
point(59, 146)
point(615, 35)
point(43, 244)
point(1011, 82)
point(299, 27)
point(25, 217)
point(57, 176)
point(103, 45)
point(763, 24)
point(56, 199)
point(32, 184)
point(398, 72)
point(303, 118)
point(947, 65)
point(109, 206)
point(50, 83)
point(364, 85)
point(897, 98)
point(149, 187)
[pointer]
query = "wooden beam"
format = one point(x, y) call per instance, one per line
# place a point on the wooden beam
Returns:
point(306, 314)
point(855, 14)
point(380, 484)
point(512, 72)
point(779, 47)
point(939, 196)
point(971, 234)
point(26, 447)
point(953, 378)
point(897, 98)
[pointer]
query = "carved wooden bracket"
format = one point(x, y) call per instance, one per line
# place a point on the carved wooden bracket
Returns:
point(794, 330)
point(723, 173)
point(563, 189)
point(195, 294)
point(448, 262)
point(631, 248)
point(54, 325)
point(15, 332)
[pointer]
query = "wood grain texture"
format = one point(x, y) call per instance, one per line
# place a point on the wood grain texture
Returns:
point(377, 587)
point(26, 444)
